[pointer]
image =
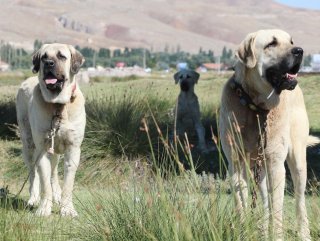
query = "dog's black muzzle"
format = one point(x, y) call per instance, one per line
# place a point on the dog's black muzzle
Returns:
point(283, 75)
point(49, 73)
point(184, 85)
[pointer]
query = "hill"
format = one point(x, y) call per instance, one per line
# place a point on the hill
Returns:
point(154, 24)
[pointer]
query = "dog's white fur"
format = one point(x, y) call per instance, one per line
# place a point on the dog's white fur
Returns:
point(287, 130)
point(188, 115)
point(36, 106)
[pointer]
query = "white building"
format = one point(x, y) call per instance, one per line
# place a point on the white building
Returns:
point(315, 63)
point(4, 66)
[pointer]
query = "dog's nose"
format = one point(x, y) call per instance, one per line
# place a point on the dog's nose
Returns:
point(49, 63)
point(297, 51)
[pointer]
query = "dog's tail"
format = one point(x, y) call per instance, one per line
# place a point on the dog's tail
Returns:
point(313, 141)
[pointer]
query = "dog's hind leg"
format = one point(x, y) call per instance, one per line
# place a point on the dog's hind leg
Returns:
point(56, 190)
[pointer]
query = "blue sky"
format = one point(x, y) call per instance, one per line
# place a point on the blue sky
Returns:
point(311, 4)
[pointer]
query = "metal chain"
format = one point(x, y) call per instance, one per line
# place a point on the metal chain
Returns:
point(261, 157)
point(55, 126)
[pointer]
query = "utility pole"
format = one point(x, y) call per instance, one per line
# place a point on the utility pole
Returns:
point(219, 70)
point(94, 59)
point(144, 59)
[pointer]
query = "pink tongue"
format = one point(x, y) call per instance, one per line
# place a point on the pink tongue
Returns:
point(291, 76)
point(51, 81)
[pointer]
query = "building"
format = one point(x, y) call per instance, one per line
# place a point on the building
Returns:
point(182, 65)
point(211, 67)
point(315, 63)
point(4, 66)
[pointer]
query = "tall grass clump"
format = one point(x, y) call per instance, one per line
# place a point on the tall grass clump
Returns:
point(183, 207)
point(8, 120)
point(114, 124)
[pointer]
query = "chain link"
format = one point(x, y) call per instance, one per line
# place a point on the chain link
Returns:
point(261, 156)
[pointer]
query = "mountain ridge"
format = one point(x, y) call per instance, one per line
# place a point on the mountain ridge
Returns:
point(153, 24)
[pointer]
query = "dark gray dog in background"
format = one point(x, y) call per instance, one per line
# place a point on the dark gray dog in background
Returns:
point(187, 108)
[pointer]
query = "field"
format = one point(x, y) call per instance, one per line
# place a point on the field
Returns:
point(130, 186)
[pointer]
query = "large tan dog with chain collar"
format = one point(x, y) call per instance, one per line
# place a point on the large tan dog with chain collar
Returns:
point(265, 86)
point(51, 118)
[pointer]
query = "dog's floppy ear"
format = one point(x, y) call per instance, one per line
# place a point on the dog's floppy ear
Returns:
point(245, 52)
point(196, 77)
point(177, 77)
point(36, 61)
point(77, 60)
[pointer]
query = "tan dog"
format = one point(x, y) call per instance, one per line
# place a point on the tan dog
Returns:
point(265, 85)
point(188, 109)
point(51, 118)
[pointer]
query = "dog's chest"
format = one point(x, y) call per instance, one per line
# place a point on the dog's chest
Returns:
point(187, 107)
point(64, 137)
point(67, 134)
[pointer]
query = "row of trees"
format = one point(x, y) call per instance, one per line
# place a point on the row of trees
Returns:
point(19, 58)
point(146, 58)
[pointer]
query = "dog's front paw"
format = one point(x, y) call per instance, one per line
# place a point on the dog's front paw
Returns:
point(56, 194)
point(33, 201)
point(44, 209)
point(68, 210)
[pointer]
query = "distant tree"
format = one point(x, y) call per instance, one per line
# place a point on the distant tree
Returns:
point(104, 53)
point(307, 60)
point(87, 52)
point(229, 54)
point(126, 52)
point(211, 56)
point(37, 45)
point(166, 48)
point(178, 48)
point(116, 53)
point(224, 54)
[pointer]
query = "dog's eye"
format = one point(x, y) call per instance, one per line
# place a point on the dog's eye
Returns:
point(44, 57)
point(274, 43)
point(291, 41)
point(61, 56)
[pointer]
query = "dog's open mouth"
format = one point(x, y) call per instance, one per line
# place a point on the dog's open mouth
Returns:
point(289, 79)
point(283, 80)
point(53, 83)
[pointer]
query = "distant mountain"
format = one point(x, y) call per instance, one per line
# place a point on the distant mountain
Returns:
point(154, 24)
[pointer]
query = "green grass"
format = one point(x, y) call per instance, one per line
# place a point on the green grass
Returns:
point(121, 192)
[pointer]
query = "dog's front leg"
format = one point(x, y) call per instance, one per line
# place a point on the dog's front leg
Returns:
point(265, 201)
point(71, 163)
point(201, 135)
point(298, 169)
point(34, 189)
point(239, 182)
point(277, 175)
point(56, 190)
point(44, 168)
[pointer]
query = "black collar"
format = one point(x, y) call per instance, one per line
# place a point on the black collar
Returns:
point(245, 99)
